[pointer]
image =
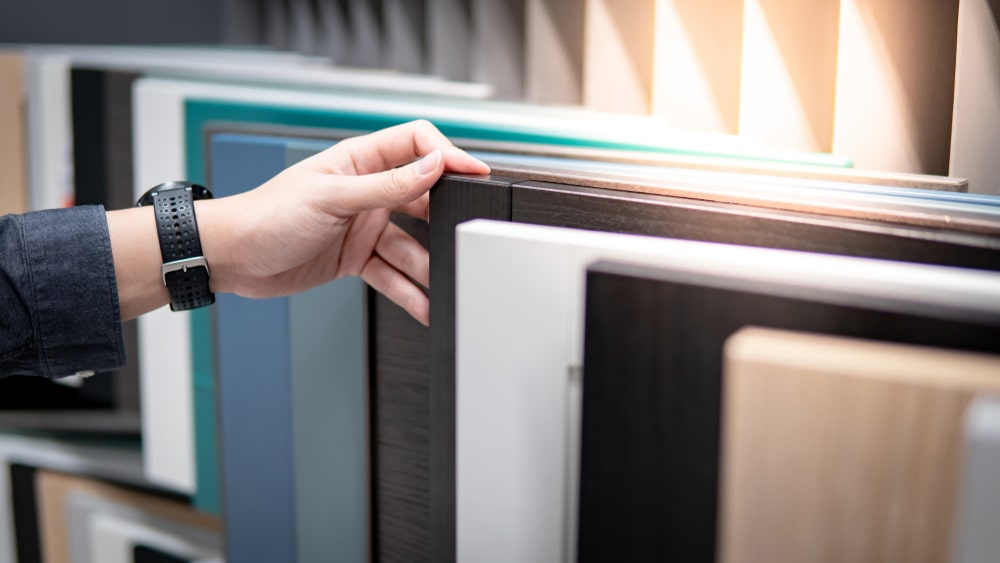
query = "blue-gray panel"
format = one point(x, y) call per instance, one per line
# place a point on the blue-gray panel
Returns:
point(254, 386)
point(977, 530)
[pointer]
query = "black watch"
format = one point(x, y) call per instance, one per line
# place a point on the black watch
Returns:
point(184, 270)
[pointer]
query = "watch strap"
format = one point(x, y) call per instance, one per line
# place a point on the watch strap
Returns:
point(185, 272)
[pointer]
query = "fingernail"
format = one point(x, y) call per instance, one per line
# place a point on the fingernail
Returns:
point(429, 163)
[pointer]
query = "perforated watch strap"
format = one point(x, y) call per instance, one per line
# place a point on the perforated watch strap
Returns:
point(179, 240)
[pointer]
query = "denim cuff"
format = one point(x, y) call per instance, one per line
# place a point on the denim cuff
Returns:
point(76, 318)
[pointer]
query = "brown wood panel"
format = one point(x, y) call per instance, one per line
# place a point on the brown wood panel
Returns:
point(839, 449)
point(454, 200)
point(13, 137)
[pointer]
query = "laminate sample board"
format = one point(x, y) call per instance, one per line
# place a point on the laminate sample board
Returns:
point(553, 51)
point(113, 534)
point(65, 500)
point(603, 209)
point(652, 372)
point(788, 78)
point(896, 84)
point(14, 195)
point(309, 372)
point(449, 38)
point(498, 48)
point(976, 539)
point(697, 64)
point(618, 55)
point(975, 129)
point(839, 449)
point(405, 35)
point(120, 461)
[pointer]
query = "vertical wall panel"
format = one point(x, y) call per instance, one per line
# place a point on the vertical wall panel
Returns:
point(403, 21)
point(895, 84)
point(553, 51)
point(789, 73)
point(498, 46)
point(618, 55)
point(696, 65)
point(13, 156)
point(823, 438)
point(449, 38)
point(975, 134)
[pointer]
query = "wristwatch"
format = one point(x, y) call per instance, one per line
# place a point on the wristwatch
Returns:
point(184, 270)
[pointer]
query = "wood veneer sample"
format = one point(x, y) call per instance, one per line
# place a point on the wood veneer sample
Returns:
point(53, 488)
point(975, 131)
point(13, 155)
point(618, 55)
point(842, 449)
point(895, 84)
point(498, 46)
point(789, 72)
point(696, 64)
point(449, 39)
point(553, 51)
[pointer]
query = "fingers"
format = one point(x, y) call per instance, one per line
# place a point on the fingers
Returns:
point(390, 189)
point(401, 144)
point(418, 208)
point(398, 288)
point(405, 254)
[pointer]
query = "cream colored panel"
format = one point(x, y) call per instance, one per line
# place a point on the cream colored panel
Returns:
point(696, 65)
point(13, 157)
point(975, 134)
point(789, 73)
point(895, 84)
point(836, 449)
point(618, 55)
point(553, 51)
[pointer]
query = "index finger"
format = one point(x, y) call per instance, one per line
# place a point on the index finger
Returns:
point(401, 144)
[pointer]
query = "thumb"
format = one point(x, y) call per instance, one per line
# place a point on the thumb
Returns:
point(390, 188)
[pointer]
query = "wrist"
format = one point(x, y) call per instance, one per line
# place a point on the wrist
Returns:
point(217, 243)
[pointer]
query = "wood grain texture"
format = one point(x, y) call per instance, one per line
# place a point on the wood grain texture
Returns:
point(400, 425)
point(652, 395)
point(843, 450)
point(454, 199)
point(13, 137)
point(53, 488)
point(603, 210)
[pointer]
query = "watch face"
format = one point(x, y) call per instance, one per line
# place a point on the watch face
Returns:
point(197, 192)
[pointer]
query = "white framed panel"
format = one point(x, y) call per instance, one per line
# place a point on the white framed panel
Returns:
point(519, 314)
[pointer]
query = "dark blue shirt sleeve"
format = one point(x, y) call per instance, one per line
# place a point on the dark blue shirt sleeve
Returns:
point(59, 310)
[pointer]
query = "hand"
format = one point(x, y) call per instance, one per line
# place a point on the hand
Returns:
point(327, 217)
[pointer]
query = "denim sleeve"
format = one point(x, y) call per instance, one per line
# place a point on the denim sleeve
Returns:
point(58, 295)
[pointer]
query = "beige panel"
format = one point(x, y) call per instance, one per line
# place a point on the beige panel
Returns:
point(895, 84)
point(553, 51)
point(789, 73)
point(618, 55)
point(53, 488)
point(696, 65)
point(975, 134)
point(13, 155)
point(842, 450)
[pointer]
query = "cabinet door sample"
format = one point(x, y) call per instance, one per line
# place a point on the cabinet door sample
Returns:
point(975, 130)
point(896, 84)
point(979, 505)
point(653, 371)
point(15, 196)
point(822, 440)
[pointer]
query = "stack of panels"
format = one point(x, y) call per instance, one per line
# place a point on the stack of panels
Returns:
point(631, 469)
point(905, 87)
point(173, 116)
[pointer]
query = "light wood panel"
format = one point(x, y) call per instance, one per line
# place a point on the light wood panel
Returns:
point(975, 134)
point(498, 46)
point(13, 176)
point(553, 51)
point(838, 449)
point(789, 71)
point(895, 84)
point(618, 55)
point(696, 65)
